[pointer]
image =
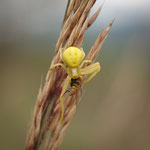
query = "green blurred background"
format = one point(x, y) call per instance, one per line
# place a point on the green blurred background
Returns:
point(115, 107)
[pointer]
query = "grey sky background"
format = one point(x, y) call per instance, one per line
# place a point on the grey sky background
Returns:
point(42, 17)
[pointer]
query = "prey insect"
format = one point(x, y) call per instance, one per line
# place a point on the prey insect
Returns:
point(75, 84)
point(74, 66)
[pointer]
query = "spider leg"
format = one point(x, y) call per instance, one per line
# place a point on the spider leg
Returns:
point(85, 61)
point(82, 52)
point(58, 64)
point(92, 69)
point(66, 83)
point(61, 52)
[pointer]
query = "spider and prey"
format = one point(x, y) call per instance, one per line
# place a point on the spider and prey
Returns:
point(74, 66)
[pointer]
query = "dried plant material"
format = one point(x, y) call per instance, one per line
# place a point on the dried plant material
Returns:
point(76, 5)
point(95, 15)
point(47, 112)
point(99, 43)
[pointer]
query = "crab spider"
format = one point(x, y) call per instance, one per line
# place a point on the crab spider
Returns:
point(72, 58)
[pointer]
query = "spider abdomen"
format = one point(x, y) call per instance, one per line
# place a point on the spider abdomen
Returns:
point(73, 56)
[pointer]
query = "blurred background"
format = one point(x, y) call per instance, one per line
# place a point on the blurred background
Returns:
point(115, 107)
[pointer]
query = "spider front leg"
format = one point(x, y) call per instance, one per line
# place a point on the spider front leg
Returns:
point(91, 69)
point(84, 62)
point(66, 83)
point(58, 64)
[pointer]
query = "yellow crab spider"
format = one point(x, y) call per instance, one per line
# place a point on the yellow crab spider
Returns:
point(72, 58)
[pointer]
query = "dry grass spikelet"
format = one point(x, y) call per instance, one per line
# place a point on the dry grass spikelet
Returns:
point(46, 117)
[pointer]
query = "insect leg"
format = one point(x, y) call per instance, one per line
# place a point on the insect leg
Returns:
point(92, 69)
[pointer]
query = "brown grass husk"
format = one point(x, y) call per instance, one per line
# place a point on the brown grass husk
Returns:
point(47, 111)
